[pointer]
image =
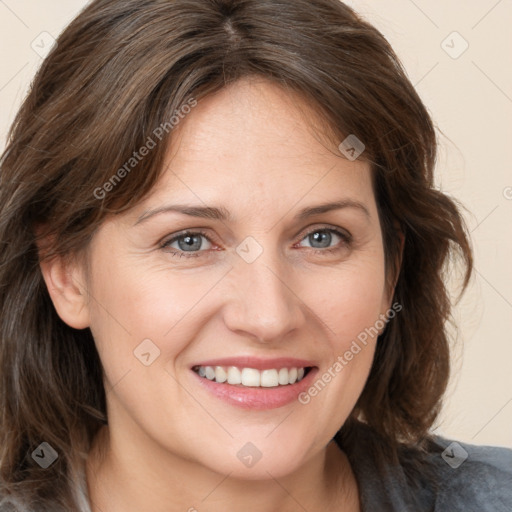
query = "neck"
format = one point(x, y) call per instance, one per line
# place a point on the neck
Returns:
point(120, 477)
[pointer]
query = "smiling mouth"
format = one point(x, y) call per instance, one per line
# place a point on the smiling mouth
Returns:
point(251, 377)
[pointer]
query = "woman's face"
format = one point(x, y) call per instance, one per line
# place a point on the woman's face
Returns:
point(268, 286)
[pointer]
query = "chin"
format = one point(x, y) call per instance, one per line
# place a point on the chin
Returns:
point(259, 459)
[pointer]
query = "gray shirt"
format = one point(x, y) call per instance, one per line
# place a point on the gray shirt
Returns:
point(464, 477)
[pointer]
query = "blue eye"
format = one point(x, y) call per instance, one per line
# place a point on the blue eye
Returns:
point(190, 243)
point(325, 238)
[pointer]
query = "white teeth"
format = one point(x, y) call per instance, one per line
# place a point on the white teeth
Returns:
point(234, 375)
point(220, 374)
point(251, 377)
point(283, 376)
point(269, 379)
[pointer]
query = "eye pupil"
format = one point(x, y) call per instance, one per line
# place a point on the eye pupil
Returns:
point(322, 236)
point(191, 242)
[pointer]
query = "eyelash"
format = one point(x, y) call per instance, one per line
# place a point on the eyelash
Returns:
point(345, 237)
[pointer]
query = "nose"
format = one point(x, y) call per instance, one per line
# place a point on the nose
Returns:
point(264, 305)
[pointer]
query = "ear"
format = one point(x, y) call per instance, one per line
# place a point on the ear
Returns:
point(397, 266)
point(65, 280)
point(400, 235)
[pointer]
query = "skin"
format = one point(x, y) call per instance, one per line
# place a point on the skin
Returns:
point(171, 445)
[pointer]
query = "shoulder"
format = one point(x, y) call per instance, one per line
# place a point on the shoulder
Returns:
point(445, 476)
point(472, 477)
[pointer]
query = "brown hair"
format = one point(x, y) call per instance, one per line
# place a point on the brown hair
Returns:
point(122, 69)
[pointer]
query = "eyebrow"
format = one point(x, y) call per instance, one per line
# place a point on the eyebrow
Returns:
point(220, 213)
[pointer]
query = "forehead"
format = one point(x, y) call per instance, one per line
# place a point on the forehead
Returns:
point(254, 145)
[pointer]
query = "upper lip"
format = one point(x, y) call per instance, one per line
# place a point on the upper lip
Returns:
point(258, 363)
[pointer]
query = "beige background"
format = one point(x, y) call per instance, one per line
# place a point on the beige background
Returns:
point(470, 98)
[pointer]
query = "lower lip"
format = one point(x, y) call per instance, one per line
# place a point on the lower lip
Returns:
point(257, 398)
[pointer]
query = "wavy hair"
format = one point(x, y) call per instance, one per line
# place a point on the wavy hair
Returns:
point(121, 69)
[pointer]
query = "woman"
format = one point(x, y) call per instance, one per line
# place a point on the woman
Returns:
point(221, 271)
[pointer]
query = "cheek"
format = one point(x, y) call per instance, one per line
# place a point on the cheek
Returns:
point(348, 305)
point(348, 298)
point(133, 303)
point(348, 302)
